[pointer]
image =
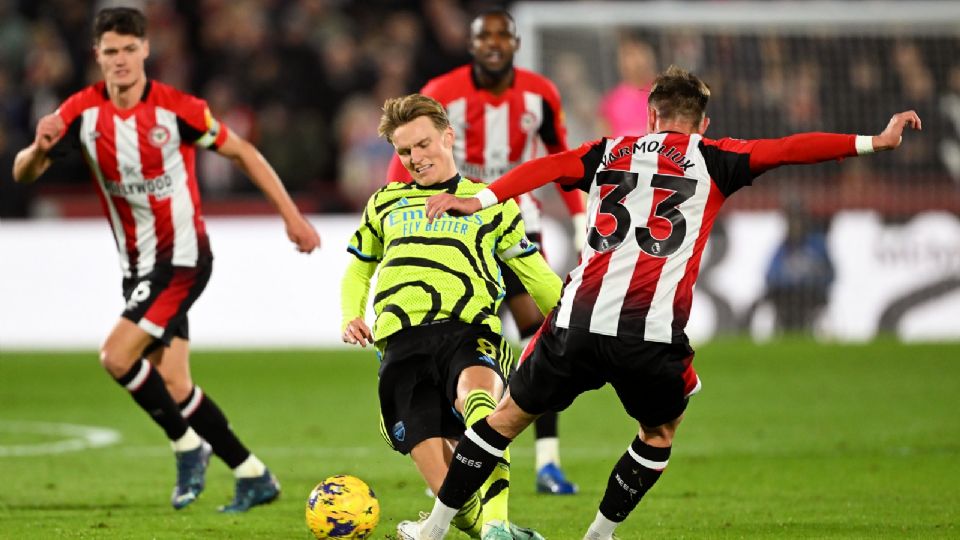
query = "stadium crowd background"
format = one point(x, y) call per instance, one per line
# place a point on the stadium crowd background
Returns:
point(305, 79)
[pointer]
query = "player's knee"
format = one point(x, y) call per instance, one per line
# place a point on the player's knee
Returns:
point(509, 419)
point(115, 361)
point(659, 436)
point(479, 378)
point(179, 389)
point(657, 440)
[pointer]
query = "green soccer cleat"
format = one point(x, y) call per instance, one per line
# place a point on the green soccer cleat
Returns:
point(496, 530)
point(523, 533)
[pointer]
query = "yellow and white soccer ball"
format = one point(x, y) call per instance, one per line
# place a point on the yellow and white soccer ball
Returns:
point(342, 506)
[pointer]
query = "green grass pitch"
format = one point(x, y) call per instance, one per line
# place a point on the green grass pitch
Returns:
point(787, 440)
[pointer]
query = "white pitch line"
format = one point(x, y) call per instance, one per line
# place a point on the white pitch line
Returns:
point(75, 438)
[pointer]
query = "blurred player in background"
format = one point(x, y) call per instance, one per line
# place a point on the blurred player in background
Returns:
point(504, 116)
point(623, 311)
point(623, 109)
point(436, 300)
point(139, 137)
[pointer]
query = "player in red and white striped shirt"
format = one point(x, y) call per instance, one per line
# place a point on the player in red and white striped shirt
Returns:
point(652, 202)
point(503, 116)
point(139, 138)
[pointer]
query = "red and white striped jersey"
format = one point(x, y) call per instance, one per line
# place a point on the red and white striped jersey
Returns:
point(495, 133)
point(652, 202)
point(142, 161)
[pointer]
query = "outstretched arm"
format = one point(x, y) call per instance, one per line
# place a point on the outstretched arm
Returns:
point(766, 154)
point(892, 135)
point(252, 162)
point(34, 160)
point(565, 167)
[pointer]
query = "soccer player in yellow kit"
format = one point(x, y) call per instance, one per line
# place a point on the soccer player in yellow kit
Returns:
point(443, 359)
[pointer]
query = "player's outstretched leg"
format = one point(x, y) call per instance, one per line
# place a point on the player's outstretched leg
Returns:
point(550, 477)
point(147, 388)
point(637, 471)
point(475, 457)
point(254, 483)
point(495, 491)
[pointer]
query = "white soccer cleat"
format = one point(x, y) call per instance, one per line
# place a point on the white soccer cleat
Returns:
point(413, 530)
point(408, 530)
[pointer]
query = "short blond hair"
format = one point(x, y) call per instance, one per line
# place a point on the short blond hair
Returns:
point(406, 109)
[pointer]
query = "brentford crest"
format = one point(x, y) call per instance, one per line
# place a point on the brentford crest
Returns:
point(158, 136)
point(528, 122)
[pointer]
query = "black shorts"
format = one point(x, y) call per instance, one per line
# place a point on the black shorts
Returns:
point(653, 380)
point(512, 283)
point(158, 302)
point(419, 371)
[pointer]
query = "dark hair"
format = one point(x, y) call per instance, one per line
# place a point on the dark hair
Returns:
point(679, 94)
point(406, 109)
point(495, 12)
point(122, 20)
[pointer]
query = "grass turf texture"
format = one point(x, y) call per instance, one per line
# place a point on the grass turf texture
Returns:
point(787, 440)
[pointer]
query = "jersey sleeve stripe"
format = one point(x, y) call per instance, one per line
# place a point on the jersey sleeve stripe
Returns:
point(362, 256)
point(518, 250)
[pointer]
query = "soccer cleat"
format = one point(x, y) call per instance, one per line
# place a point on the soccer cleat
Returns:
point(254, 491)
point(551, 480)
point(408, 530)
point(496, 530)
point(413, 530)
point(523, 533)
point(191, 473)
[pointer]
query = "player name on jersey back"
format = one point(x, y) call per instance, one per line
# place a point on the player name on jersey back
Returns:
point(642, 145)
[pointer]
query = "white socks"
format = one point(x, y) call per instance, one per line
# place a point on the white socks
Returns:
point(251, 467)
point(548, 451)
point(601, 528)
point(438, 522)
point(189, 441)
